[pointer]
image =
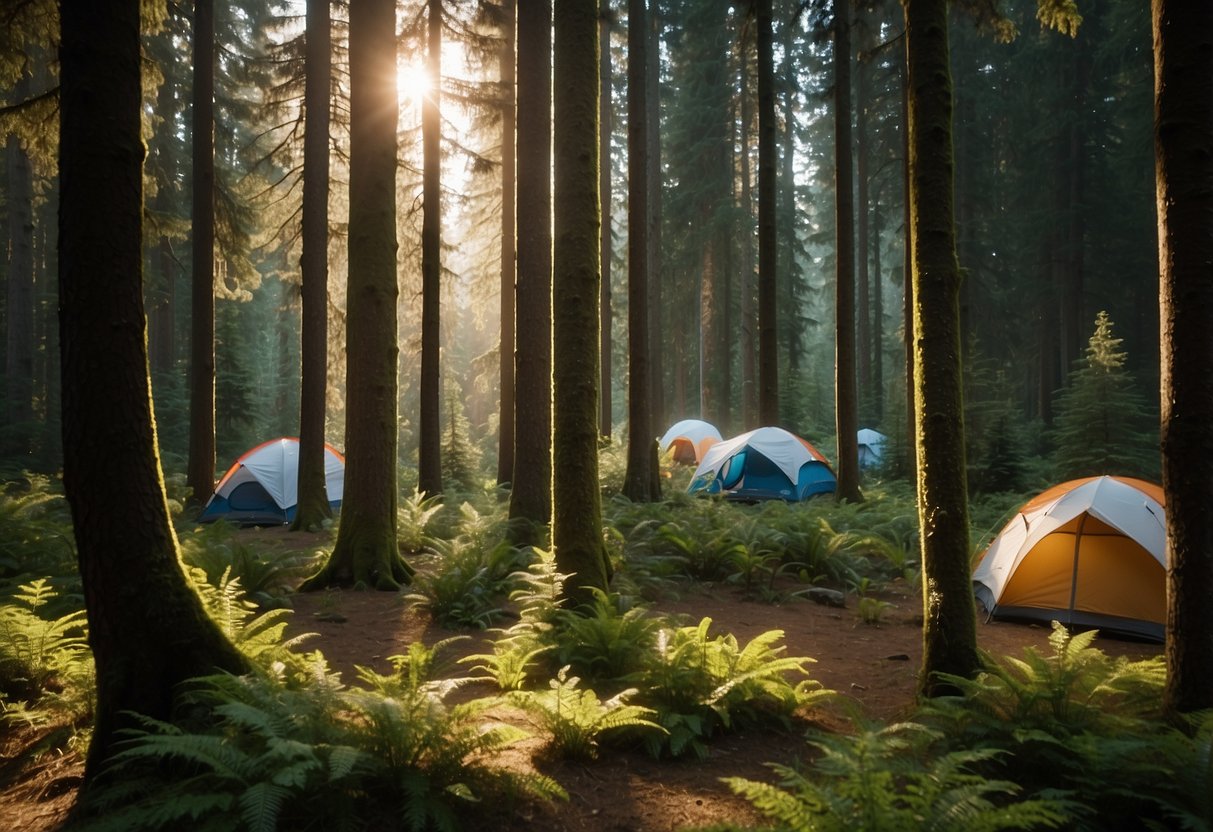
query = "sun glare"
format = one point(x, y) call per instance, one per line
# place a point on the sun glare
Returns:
point(412, 83)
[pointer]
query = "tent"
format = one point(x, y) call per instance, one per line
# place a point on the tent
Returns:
point(871, 448)
point(261, 487)
point(1087, 553)
point(764, 464)
point(690, 439)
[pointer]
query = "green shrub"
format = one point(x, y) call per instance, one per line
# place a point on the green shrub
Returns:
point(577, 719)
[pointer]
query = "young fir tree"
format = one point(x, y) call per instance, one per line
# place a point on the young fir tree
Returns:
point(1102, 425)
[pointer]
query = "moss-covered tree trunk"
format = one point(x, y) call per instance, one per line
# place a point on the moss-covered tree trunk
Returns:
point(845, 400)
point(200, 470)
point(505, 420)
point(429, 462)
point(1183, 138)
point(641, 481)
point(530, 494)
point(768, 357)
point(313, 506)
point(949, 615)
point(147, 628)
point(577, 508)
point(365, 553)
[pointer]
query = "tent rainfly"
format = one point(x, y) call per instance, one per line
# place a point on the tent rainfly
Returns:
point(764, 464)
point(690, 440)
point(1086, 553)
point(871, 447)
point(261, 487)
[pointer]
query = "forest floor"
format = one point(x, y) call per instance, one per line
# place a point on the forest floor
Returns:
point(872, 666)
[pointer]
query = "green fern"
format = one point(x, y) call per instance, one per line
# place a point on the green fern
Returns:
point(513, 661)
point(577, 719)
point(886, 780)
point(413, 518)
point(700, 683)
point(46, 669)
point(35, 529)
point(604, 641)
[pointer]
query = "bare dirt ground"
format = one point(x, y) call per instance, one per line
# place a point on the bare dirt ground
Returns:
point(872, 666)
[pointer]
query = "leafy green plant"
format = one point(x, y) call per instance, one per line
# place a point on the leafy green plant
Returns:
point(276, 752)
point(213, 549)
point(577, 719)
point(888, 780)
point(413, 517)
point(467, 584)
point(605, 641)
point(700, 683)
point(46, 669)
point(514, 659)
point(35, 530)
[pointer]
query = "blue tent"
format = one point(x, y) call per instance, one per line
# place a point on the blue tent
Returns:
point(764, 464)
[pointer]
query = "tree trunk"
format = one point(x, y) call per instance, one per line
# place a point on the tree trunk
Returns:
point(365, 553)
point(429, 463)
point(877, 320)
point(653, 157)
point(907, 281)
point(313, 506)
point(147, 629)
point(1183, 124)
point(768, 360)
point(863, 279)
point(844, 260)
point(748, 308)
point(200, 476)
point(577, 509)
point(641, 481)
point(949, 614)
point(530, 495)
point(709, 323)
point(19, 301)
point(604, 196)
point(505, 428)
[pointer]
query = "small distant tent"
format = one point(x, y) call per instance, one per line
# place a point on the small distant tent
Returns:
point(764, 464)
point(871, 448)
point(261, 487)
point(1087, 553)
point(690, 440)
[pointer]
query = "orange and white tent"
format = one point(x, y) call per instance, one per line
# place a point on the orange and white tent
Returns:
point(261, 487)
point(690, 440)
point(1087, 553)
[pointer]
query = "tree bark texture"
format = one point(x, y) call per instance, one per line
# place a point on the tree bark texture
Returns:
point(657, 405)
point(19, 299)
point(907, 282)
point(530, 494)
point(1183, 139)
point(577, 509)
point(604, 197)
point(641, 481)
point(200, 475)
point(949, 613)
point(148, 631)
point(366, 552)
point(313, 506)
point(429, 463)
point(747, 307)
point(768, 357)
point(845, 405)
point(505, 422)
point(865, 350)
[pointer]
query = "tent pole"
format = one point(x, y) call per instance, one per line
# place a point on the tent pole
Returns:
point(1074, 576)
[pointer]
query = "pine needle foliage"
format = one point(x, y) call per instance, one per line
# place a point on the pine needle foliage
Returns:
point(876, 781)
point(578, 720)
point(1103, 425)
